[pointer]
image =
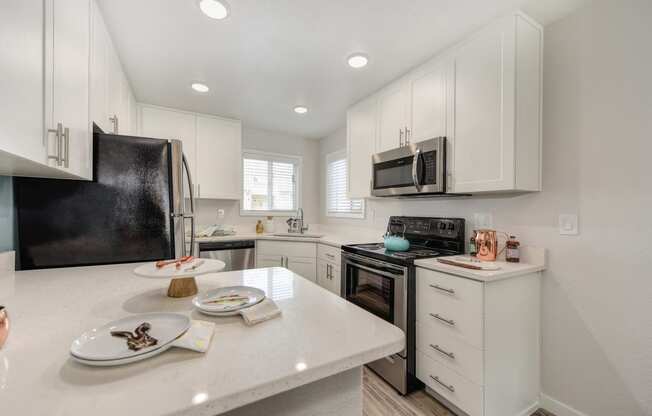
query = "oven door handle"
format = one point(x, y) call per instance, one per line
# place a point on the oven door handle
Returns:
point(415, 169)
point(376, 271)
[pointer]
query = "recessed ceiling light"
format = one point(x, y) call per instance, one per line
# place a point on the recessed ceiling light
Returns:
point(358, 60)
point(300, 109)
point(199, 87)
point(215, 9)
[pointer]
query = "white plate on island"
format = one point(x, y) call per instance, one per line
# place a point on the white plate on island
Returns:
point(244, 297)
point(98, 344)
point(171, 272)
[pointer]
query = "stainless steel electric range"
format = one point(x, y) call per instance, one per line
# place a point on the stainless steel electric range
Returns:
point(383, 283)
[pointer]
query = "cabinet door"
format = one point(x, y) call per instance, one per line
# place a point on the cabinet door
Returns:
point(133, 114)
point(269, 261)
point(67, 65)
point(116, 94)
point(361, 124)
point(99, 73)
point(219, 155)
point(429, 99)
point(484, 111)
point(305, 267)
point(21, 82)
point(162, 123)
point(392, 122)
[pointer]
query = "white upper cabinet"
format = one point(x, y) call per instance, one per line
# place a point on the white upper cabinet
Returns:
point(429, 92)
point(67, 85)
point(113, 105)
point(22, 145)
point(393, 119)
point(212, 145)
point(496, 132)
point(361, 124)
point(483, 95)
point(219, 155)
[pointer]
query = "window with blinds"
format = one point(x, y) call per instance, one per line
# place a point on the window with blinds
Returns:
point(269, 183)
point(337, 202)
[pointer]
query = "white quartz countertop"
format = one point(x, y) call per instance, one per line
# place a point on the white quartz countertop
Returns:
point(330, 238)
point(318, 335)
point(507, 270)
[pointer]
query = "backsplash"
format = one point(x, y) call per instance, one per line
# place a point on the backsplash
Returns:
point(6, 214)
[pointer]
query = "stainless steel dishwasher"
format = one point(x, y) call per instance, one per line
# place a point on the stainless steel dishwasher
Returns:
point(237, 255)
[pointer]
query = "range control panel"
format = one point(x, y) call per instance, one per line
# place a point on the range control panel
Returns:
point(428, 227)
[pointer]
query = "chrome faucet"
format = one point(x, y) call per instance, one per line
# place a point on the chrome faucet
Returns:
point(295, 225)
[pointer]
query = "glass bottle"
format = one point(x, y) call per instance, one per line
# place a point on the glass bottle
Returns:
point(512, 252)
point(472, 248)
point(259, 227)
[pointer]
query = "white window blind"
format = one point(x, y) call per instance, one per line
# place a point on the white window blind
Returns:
point(338, 203)
point(269, 183)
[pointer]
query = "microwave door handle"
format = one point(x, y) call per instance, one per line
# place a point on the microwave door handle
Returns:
point(415, 170)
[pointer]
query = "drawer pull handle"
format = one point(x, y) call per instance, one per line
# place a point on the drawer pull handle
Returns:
point(441, 318)
point(450, 388)
point(446, 353)
point(330, 256)
point(443, 289)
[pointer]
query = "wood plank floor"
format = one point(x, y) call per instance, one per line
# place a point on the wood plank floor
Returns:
point(379, 399)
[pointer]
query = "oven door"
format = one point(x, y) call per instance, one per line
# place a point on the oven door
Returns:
point(378, 287)
point(413, 169)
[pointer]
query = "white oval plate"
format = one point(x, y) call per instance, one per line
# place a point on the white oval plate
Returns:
point(98, 344)
point(171, 272)
point(112, 363)
point(253, 295)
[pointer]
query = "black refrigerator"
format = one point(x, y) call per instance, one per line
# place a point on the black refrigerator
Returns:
point(135, 209)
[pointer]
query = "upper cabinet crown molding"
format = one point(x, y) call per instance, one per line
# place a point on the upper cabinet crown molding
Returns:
point(484, 95)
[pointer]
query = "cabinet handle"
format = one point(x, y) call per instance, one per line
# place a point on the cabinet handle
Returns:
point(446, 353)
point(328, 271)
point(66, 143)
point(58, 133)
point(330, 256)
point(407, 135)
point(114, 120)
point(441, 318)
point(282, 265)
point(448, 387)
point(400, 138)
point(443, 289)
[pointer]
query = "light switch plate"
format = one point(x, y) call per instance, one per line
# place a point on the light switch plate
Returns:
point(483, 220)
point(568, 224)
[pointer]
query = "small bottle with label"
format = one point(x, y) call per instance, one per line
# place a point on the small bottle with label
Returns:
point(259, 227)
point(512, 252)
point(472, 248)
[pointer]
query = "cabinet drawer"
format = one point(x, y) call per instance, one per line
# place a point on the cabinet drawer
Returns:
point(463, 393)
point(329, 253)
point(451, 302)
point(450, 351)
point(286, 248)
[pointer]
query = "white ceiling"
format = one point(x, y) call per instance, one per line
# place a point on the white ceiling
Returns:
point(271, 55)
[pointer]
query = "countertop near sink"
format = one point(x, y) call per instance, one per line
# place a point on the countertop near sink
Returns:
point(318, 336)
point(331, 238)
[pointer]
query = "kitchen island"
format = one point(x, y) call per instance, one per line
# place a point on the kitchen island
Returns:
point(307, 362)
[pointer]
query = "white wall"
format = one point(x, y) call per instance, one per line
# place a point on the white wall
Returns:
point(597, 291)
point(263, 140)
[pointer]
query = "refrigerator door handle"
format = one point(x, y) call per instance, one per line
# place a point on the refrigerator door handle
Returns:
point(191, 214)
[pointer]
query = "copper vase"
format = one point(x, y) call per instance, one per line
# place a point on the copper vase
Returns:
point(4, 325)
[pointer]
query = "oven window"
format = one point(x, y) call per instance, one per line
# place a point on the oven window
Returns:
point(372, 292)
point(394, 173)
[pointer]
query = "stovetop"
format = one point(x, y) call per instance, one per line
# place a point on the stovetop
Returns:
point(429, 237)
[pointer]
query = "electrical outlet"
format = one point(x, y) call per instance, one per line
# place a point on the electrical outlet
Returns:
point(483, 220)
point(568, 224)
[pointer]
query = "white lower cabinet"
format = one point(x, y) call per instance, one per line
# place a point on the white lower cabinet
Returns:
point(478, 342)
point(301, 258)
point(328, 268)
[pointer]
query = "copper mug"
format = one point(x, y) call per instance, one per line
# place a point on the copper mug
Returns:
point(486, 243)
point(4, 325)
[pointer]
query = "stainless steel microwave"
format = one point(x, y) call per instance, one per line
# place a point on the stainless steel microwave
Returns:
point(414, 169)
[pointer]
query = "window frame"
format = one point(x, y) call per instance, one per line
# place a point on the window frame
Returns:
point(331, 157)
point(277, 157)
